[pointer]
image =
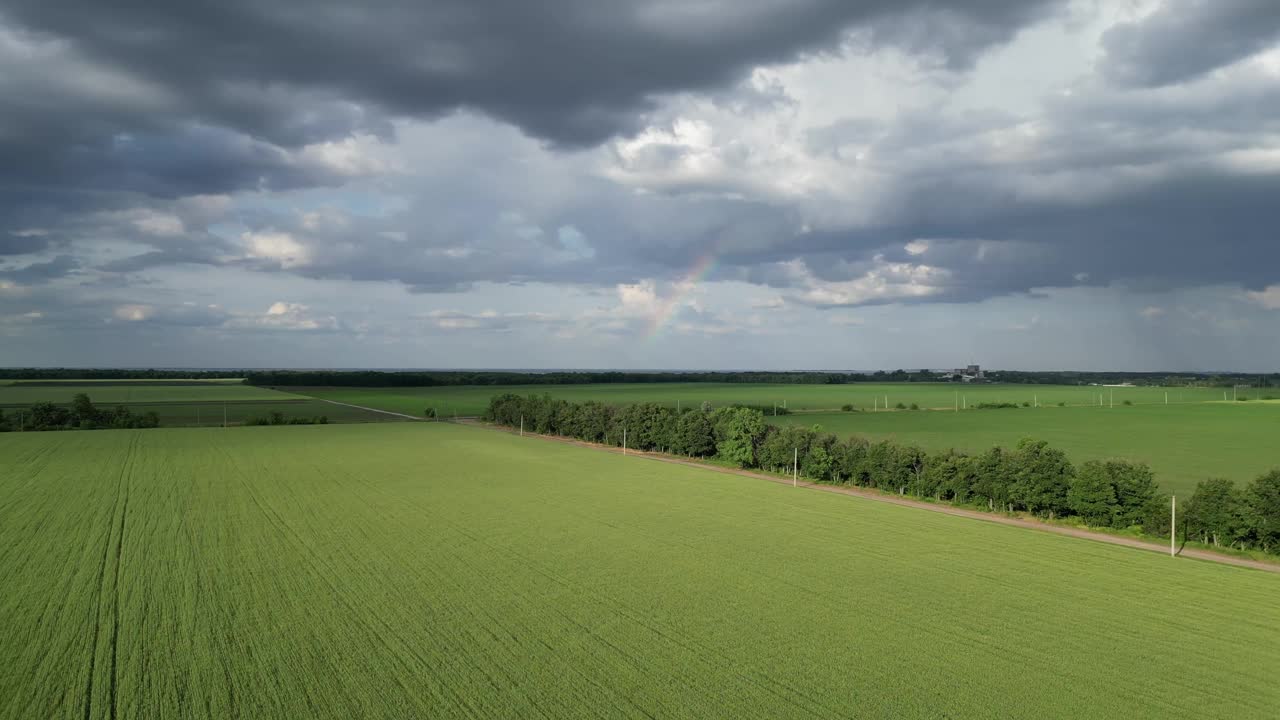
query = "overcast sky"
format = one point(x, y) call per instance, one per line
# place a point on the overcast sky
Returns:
point(765, 184)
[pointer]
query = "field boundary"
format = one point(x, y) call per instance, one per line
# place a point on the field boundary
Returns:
point(369, 409)
point(868, 494)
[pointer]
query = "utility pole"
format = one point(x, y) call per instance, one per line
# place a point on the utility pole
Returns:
point(1035, 400)
point(1173, 523)
point(795, 467)
point(521, 426)
point(1113, 397)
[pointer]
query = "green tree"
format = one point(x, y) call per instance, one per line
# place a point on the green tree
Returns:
point(83, 409)
point(1263, 498)
point(818, 462)
point(1216, 512)
point(1092, 496)
point(1041, 477)
point(994, 478)
point(737, 430)
point(694, 435)
point(1135, 487)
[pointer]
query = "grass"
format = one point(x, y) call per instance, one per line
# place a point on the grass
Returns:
point(431, 570)
point(472, 400)
point(1183, 443)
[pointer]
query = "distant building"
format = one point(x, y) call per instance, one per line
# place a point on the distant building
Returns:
point(972, 373)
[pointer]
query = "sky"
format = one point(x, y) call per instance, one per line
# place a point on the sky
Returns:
point(687, 184)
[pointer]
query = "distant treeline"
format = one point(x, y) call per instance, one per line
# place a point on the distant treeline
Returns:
point(110, 374)
point(370, 378)
point(81, 415)
point(429, 378)
point(1065, 377)
point(1032, 477)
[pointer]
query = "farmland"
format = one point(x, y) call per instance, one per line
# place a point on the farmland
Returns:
point(434, 570)
point(471, 400)
point(135, 392)
point(1194, 437)
point(1183, 443)
point(182, 403)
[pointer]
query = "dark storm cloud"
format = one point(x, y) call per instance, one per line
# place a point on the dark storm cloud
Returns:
point(573, 71)
point(1184, 39)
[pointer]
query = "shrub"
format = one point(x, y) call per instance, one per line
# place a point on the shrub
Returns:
point(1128, 402)
point(847, 407)
point(915, 406)
point(899, 406)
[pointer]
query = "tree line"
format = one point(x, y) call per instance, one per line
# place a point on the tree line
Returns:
point(1032, 477)
point(115, 374)
point(428, 378)
point(81, 415)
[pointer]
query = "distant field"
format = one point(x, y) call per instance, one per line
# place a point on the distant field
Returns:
point(432, 570)
point(1183, 443)
point(139, 391)
point(211, 413)
point(184, 403)
point(472, 400)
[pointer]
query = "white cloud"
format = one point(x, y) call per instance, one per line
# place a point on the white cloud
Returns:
point(279, 247)
point(916, 247)
point(1151, 312)
point(487, 320)
point(883, 282)
point(1268, 297)
point(134, 313)
point(283, 316)
point(157, 223)
point(638, 299)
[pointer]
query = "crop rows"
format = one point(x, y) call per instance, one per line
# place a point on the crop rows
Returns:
point(434, 570)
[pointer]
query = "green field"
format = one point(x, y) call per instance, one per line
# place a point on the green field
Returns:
point(432, 570)
point(139, 391)
point(183, 403)
point(472, 400)
point(1183, 443)
point(1194, 437)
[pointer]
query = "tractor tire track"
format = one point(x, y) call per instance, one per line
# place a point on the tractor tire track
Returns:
point(126, 465)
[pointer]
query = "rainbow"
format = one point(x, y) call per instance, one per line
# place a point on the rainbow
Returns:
point(667, 307)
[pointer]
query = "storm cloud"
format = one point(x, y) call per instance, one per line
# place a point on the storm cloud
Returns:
point(590, 176)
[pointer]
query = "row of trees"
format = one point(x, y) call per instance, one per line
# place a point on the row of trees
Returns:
point(115, 374)
point(1033, 477)
point(81, 415)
